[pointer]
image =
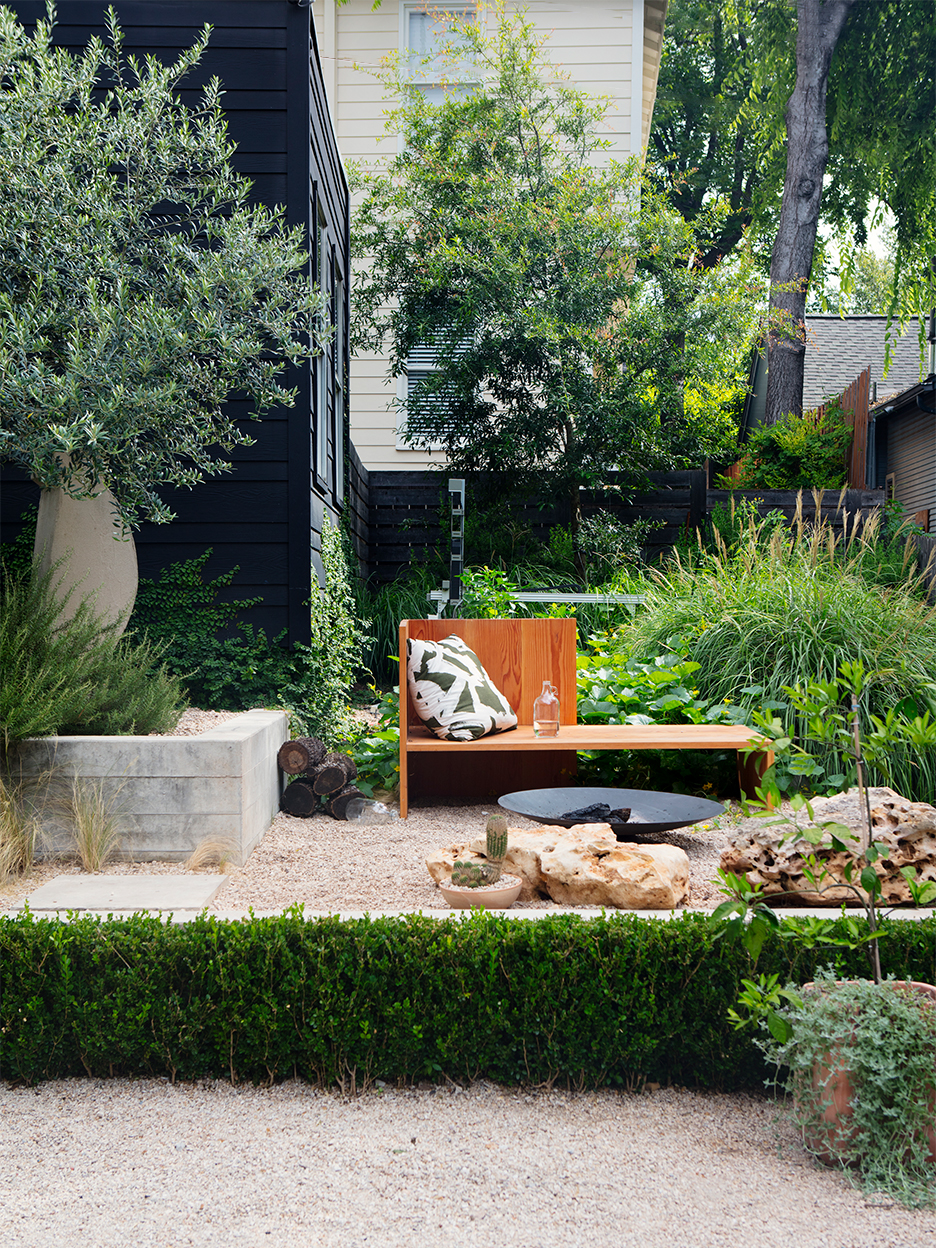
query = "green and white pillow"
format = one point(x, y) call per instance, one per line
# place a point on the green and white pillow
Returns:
point(452, 693)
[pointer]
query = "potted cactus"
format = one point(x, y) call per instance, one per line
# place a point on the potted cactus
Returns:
point(483, 884)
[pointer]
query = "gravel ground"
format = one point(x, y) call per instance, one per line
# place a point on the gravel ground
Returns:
point(327, 864)
point(103, 1164)
point(107, 1163)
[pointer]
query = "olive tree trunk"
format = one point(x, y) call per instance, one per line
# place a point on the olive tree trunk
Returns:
point(819, 27)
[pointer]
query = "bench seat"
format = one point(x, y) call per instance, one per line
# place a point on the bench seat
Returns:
point(592, 737)
point(518, 655)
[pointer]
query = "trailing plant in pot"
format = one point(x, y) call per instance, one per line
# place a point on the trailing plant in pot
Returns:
point(859, 1056)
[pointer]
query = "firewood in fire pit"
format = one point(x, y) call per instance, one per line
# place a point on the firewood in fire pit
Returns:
point(599, 812)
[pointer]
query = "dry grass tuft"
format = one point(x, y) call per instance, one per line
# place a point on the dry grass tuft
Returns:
point(22, 801)
point(212, 852)
point(95, 817)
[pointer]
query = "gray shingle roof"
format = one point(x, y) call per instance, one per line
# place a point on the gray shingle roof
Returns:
point(840, 347)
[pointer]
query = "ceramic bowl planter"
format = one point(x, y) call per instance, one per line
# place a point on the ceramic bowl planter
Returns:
point(499, 896)
point(481, 884)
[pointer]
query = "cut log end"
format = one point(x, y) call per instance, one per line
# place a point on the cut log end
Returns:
point(334, 772)
point(337, 804)
point(301, 756)
point(300, 799)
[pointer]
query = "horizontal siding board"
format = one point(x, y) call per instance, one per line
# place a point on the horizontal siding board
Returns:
point(137, 37)
point(172, 13)
point(259, 563)
point(209, 533)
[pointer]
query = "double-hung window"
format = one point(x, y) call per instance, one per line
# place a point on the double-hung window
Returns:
point(424, 28)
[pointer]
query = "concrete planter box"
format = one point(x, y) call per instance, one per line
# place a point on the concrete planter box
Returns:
point(175, 792)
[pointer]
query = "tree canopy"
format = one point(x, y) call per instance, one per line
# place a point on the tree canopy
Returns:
point(138, 289)
point(571, 329)
point(727, 79)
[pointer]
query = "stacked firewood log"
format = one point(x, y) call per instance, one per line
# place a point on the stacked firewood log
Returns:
point(320, 776)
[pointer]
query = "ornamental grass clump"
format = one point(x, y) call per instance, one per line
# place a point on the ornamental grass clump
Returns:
point(781, 607)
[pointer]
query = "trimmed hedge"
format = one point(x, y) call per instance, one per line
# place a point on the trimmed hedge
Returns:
point(583, 1001)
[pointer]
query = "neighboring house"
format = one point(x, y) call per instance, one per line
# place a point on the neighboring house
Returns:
point(838, 348)
point(608, 47)
point(266, 515)
point(902, 450)
point(895, 442)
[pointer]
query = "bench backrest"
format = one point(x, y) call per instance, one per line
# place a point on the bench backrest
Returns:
point(518, 655)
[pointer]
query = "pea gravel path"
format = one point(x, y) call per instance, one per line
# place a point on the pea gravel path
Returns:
point(104, 1164)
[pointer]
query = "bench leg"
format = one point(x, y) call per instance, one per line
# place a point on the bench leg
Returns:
point(404, 780)
point(751, 771)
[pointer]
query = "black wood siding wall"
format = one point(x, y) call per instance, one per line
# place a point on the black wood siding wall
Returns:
point(266, 515)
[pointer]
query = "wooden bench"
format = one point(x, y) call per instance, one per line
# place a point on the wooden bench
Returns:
point(518, 655)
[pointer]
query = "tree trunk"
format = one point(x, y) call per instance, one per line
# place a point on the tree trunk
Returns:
point(333, 773)
point(300, 799)
point(299, 756)
point(97, 556)
point(819, 27)
point(337, 805)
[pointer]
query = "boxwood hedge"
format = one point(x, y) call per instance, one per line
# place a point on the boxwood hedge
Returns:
point(586, 1002)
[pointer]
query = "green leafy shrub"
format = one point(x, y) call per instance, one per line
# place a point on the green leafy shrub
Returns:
point(235, 673)
point(798, 452)
point(77, 675)
point(614, 688)
point(584, 1002)
point(607, 544)
point(377, 753)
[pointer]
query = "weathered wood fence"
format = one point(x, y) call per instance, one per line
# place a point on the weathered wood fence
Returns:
point(401, 522)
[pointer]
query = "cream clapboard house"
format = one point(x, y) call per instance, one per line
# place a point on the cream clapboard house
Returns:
point(608, 47)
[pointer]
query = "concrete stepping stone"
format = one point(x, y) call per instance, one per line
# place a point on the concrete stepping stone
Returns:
point(129, 893)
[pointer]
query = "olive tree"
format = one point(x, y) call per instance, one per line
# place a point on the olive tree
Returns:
point(138, 288)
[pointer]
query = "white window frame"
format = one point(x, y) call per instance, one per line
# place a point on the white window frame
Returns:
point(428, 80)
point(455, 7)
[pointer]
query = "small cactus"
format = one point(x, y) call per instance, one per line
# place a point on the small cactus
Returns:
point(480, 874)
point(496, 846)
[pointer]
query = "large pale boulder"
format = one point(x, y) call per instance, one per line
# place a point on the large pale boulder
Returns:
point(582, 866)
point(760, 852)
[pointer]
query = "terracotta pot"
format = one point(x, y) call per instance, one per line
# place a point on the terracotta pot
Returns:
point(835, 1131)
point(499, 896)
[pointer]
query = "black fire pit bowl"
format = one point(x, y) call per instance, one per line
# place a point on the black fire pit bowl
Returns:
point(652, 814)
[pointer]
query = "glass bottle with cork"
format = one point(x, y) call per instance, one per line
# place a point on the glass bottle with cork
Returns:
point(546, 712)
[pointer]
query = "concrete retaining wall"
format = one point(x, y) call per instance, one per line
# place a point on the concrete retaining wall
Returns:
point(174, 792)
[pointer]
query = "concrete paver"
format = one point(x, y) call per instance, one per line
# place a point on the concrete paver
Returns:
point(128, 893)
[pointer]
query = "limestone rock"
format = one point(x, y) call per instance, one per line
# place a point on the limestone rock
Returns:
point(582, 866)
point(908, 829)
